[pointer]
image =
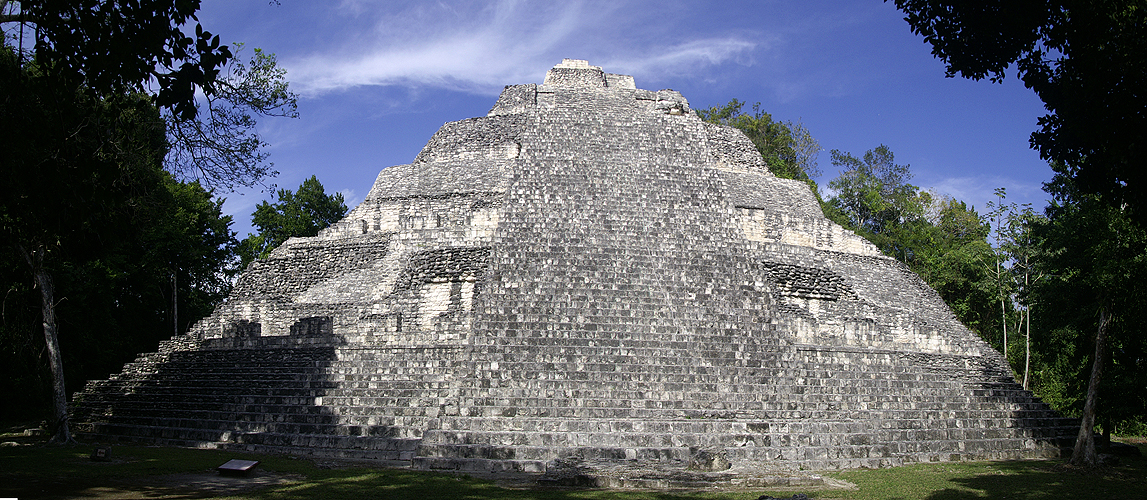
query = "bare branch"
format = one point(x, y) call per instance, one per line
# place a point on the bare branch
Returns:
point(221, 147)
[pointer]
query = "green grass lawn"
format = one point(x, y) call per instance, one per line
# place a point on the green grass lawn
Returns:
point(39, 471)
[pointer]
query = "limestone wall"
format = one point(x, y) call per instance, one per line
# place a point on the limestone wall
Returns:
point(589, 272)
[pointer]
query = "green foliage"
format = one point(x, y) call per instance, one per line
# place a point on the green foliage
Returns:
point(873, 193)
point(302, 213)
point(955, 262)
point(1093, 256)
point(221, 147)
point(208, 96)
point(1087, 62)
point(116, 299)
point(82, 182)
point(787, 148)
point(941, 239)
point(111, 48)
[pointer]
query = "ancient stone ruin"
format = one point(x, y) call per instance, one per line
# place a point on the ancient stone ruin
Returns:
point(587, 278)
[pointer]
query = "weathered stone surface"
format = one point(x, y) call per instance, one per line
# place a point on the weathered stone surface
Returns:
point(590, 274)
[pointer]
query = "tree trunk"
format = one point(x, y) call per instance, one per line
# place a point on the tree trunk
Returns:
point(1028, 319)
point(60, 431)
point(1027, 345)
point(174, 306)
point(1004, 322)
point(1084, 452)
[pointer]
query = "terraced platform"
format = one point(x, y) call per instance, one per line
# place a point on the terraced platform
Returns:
point(590, 278)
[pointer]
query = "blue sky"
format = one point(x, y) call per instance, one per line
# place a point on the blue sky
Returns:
point(376, 78)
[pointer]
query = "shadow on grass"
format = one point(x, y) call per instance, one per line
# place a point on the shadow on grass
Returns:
point(147, 472)
point(153, 472)
point(374, 484)
point(1048, 480)
point(1022, 480)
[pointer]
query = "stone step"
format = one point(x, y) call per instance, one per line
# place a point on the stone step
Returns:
point(481, 465)
point(271, 388)
point(738, 402)
point(252, 423)
point(808, 435)
point(585, 394)
point(168, 409)
point(557, 393)
point(817, 377)
point(791, 454)
point(649, 381)
point(693, 426)
point(680, 411)
point(326, 446)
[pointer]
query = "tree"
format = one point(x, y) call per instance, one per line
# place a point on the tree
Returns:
point(107, 48)
point(1095, 260)
point(788, 149)
point(187, 253)
point(302, 213)
point(873, 194)
point(86, 85)
point(1022, 247)
point(1087, 62)
point(997, 213)
point(220, 147)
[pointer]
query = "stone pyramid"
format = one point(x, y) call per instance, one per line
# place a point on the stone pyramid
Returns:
point(589, 274)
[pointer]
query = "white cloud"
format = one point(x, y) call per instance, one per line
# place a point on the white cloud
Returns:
point(239, 206)
point(683, 58)
point(350, 199)
point(978, 191)
point(480, 49)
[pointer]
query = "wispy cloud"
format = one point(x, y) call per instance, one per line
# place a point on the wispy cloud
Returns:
point(978, 190)
point(350, 199)
point(480, 49)
point(685, 57)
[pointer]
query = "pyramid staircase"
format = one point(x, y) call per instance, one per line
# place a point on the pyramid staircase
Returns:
point(589, 276)
point(798, 407)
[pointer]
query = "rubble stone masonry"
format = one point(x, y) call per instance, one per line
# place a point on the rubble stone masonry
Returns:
point(589, 273)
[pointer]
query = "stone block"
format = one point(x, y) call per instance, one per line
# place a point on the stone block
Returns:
point(589, 276)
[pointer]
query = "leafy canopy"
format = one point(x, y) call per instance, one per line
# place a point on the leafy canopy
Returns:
point(1087, 62)
point(209, 96)
point(118, 46)
point(788, 149)
point(873, 191)
point(301, 213)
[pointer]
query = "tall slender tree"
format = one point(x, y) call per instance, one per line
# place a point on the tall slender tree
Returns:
point(1096, 260)
point(997, 213)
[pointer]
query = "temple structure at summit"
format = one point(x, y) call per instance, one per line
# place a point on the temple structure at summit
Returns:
point(589, 276)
